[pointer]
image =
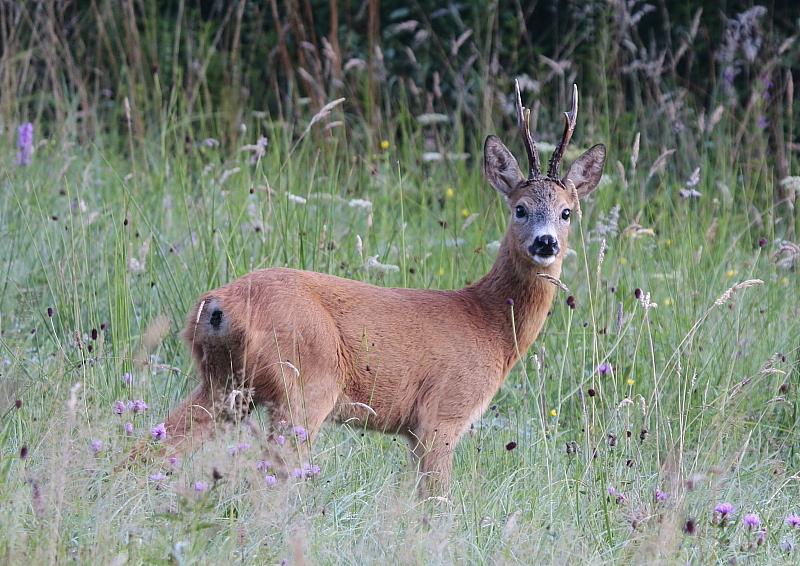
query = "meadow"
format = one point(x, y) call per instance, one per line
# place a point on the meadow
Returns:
point(653, 421)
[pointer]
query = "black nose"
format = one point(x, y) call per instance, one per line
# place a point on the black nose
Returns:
point(544, 246)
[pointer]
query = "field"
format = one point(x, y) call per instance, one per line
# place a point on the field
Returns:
point(664, 389)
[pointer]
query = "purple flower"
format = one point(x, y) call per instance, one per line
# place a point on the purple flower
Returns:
point(727, 75)
point(793, 520)
point(159, 432)
point(241, 447)
point(24, 143)
point(611, 490)
point(301, 433)
point(96, 445)
point(604, 368)
point(173, 460)
point(310, 469)
point(661, 495)
point(137, 406)
point(127, 378)
point(270, 480)
point(119, 406)
point(262, 465)
point(157, 477)
point(280, 439)
point(297, 473)
point(129, 427)
point(724, 508)
point(762, 122)
point(751, 520)
point(787, 545)
point(200, 486)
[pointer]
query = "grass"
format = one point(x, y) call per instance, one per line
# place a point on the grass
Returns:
point(106, 244)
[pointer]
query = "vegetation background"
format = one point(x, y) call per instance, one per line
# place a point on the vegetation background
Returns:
point(173, 146)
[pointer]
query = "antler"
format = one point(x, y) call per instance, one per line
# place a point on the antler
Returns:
point(569, 127)
point(524, 123)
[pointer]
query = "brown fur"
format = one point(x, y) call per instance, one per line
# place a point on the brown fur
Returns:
point(426, 362)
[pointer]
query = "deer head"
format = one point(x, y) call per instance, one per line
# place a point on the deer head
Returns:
point(541, 206)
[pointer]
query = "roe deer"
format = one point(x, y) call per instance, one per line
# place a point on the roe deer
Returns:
point(421, 363)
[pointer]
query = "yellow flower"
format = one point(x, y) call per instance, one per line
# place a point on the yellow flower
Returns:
point(667, 302)
point(730, 272)
point(623, 261)
point(784, 280)
point(449, 191)
point(668, 242)
point(384, 144)
point(441, 271)
point(553, 412)
point(464, 212)
point(630, 381)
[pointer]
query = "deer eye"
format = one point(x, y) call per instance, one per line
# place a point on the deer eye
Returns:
point(565, 214)
point(520, 211)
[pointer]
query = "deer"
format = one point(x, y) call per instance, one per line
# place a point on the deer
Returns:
point(423, 364)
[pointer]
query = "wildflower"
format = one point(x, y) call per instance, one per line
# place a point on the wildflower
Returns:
point(604, 368)
point(449, 191)
point(310, 469)
point(270, 480)
point(157, 477)
point(159, 432)
point(129, 427)
point(137, 406)
point(751, 520)
point(297, 473)
point(762, 122)
point(464, 212)
point(660, 495)
point(262, 465)
point(127, 378)
point(630, 381)
point(173, 460)
point(384, 144)
point(793, 520)
point(241, 447)
point(280, 439)
point(119, 406)
point(50, 312)
point(300, 433)
point(96, 445)
point(553, 412)
point(24, 143)
point(510, 302)
point(200, 486)
point(787, 545)
point(511, 445)
point(762, 242)
point(571, 302)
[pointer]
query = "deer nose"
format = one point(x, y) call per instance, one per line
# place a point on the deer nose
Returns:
point(545, 245)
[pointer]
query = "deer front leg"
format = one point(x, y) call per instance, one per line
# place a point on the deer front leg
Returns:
point(187, 426)
point(432, 455)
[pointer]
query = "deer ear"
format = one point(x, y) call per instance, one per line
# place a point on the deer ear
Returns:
point(501, 167)
point(585, 172)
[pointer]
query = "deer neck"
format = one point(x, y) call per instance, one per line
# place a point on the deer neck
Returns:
point(517, 279)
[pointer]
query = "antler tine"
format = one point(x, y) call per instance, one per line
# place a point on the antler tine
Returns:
point(524, 123)
point(569, 127)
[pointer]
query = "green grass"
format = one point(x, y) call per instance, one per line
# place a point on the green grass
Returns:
point(113, 244)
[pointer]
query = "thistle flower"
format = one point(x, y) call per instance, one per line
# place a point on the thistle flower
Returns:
point(604, 368)
point(300, 433)
point(200, 486)
point(119, 406)
point(129, 427)
point(96, 445)
point(724, 508)
point(262, 465)
point(159, 432)
point(793, 520)
point(660, 495)
point(751, 520)
point(280, 439)
point(24, 143)
point(157, 477)
point(270, 480)
point(173, 460)
point(137, 406)
point(127, 378)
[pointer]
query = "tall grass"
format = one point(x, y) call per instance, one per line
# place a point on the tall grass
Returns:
point(122, 217)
